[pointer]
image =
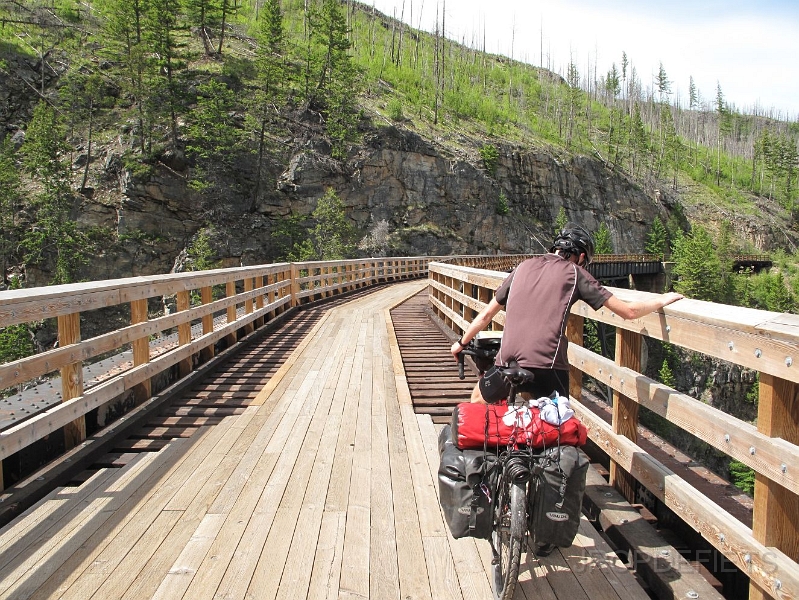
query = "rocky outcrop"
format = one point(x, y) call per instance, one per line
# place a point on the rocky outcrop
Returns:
point(438, 203)
point(434, 200)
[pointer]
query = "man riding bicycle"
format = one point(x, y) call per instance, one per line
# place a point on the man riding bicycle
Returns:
point(537, 297)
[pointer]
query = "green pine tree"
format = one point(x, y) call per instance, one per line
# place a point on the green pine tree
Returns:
point(162, 23)
point(123, 42)
point(272, 83)
point(603, 244)
point(332, 237)
point(56, 243)
point(697, 266)
point(10, 204)
point(657, 240)
point(337, 78)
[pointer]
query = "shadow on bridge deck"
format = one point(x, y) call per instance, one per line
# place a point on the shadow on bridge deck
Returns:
point(325, 487)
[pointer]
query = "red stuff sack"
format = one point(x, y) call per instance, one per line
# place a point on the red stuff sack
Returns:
point(473, 424)
point(476, 425)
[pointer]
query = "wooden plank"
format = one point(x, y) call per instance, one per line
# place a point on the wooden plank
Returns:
point(15, 438)
point(440, 569)
point(39, 526)
point(471, 572)
point(598, 569)
point(21, 306)
point(45, 362)
point(383, 567)
point(354, 580)
point(326, 569)
point(252, 514)
point(410, 551)
point(564, 583)
point(230, 292)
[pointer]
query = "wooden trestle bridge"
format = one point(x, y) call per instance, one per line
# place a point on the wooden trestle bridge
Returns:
point(307, 472)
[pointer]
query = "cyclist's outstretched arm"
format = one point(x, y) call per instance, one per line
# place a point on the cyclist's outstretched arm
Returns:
point(635, 310)
point(480, 322)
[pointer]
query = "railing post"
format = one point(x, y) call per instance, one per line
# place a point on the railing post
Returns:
point(273, 295)
point(625, 410)
point(295, 285)
point(468, 313)
point(259, 300)
point(574, 333)
point(230, 291)
point(71, 378)
point(775, 508)
point(248, 304)
point(207, 296)
point(141, 350)
point(184, 332)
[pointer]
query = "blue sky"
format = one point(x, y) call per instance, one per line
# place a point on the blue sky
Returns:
point(750, 48)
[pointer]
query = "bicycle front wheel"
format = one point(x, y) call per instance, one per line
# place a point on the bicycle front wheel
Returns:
point(508, 536)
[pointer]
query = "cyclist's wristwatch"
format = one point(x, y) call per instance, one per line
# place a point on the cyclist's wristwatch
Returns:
point(461, 344)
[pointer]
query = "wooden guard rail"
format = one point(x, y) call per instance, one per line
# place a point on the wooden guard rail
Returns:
point(764, 341)
point(253, 296)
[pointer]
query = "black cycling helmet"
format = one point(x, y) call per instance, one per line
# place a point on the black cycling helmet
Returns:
point(574, 239)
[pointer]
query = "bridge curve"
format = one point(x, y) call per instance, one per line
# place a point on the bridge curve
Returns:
point(247, 298)
point(323, 487)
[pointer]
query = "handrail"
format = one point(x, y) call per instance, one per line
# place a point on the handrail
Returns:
point(764, 341)
point(251, 297)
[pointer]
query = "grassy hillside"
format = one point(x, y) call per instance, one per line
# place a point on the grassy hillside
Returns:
point(197, 82)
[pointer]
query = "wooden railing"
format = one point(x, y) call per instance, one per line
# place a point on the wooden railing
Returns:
point(252, 297)
point(763, 341)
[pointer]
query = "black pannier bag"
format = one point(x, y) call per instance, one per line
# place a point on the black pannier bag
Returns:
point(462, 477)
point(558, 499)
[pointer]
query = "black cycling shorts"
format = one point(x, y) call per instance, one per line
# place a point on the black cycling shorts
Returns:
point(494, 388)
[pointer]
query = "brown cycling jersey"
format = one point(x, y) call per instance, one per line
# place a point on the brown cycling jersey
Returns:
point(537, 296)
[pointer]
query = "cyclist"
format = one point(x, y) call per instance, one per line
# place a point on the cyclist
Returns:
point(537, 296)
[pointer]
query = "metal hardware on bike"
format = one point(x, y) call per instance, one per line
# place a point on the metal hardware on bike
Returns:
point(516, 468)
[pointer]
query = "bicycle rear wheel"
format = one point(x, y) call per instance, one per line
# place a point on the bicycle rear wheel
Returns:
point(508, 536)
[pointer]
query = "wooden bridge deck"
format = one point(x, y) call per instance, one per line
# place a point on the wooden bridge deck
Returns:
point(324, 488)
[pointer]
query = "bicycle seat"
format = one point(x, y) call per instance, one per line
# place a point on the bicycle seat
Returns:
point(517, 375)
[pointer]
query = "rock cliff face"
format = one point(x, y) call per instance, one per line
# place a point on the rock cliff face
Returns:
point(436, 203)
